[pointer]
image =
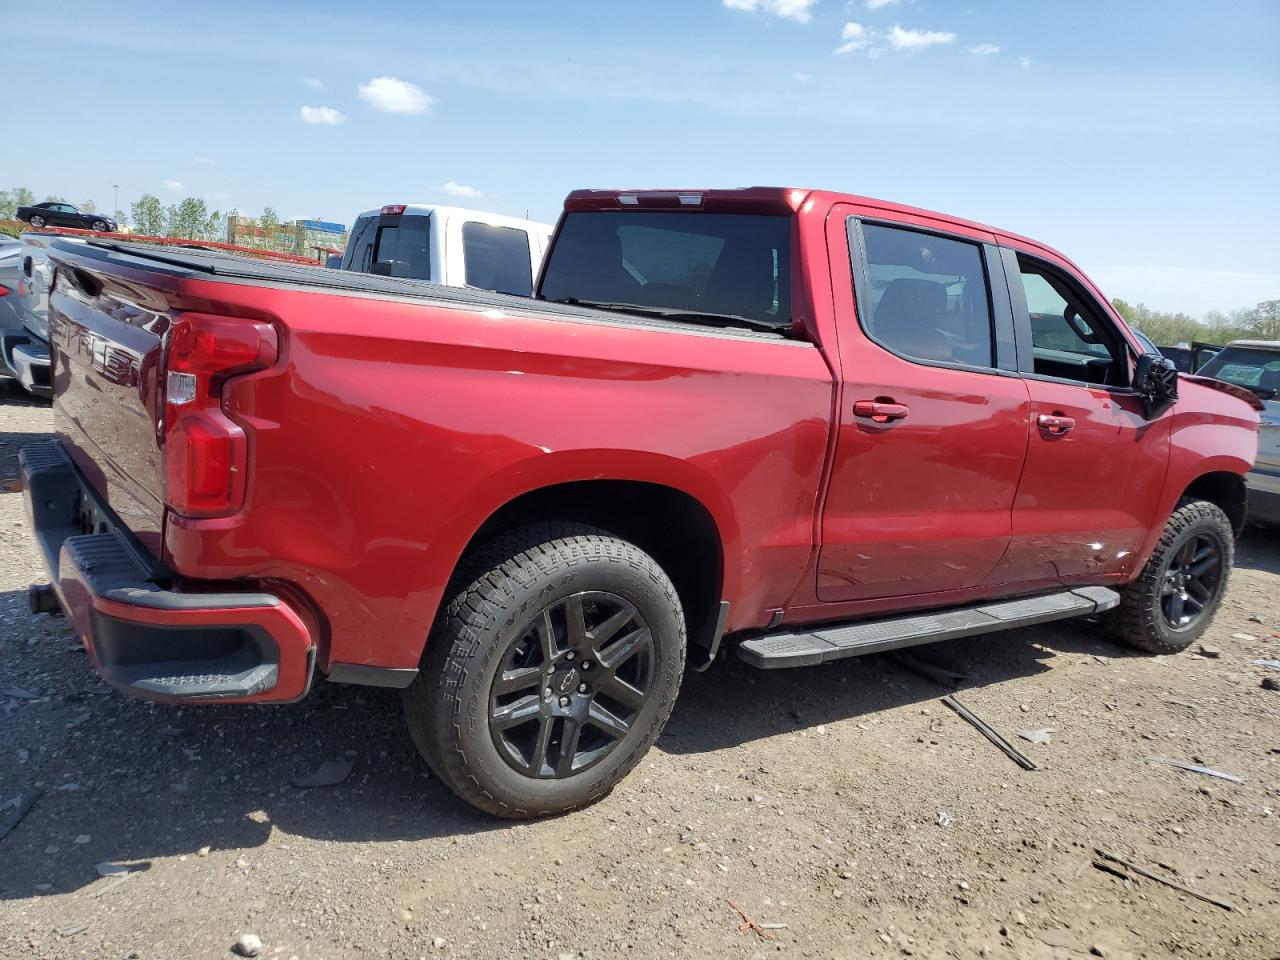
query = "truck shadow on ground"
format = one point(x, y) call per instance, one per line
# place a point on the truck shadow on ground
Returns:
point(147, 781)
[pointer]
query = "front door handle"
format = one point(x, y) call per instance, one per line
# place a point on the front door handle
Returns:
point(881, 410)
point(1055, 423)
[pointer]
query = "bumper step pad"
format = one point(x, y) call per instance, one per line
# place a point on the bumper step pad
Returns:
point(810, 646)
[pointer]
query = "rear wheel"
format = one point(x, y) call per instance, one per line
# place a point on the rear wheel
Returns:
point(37, 221)
point(550, 672)
point(1173, 600)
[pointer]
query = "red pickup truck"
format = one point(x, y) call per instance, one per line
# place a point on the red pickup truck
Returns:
point(798, 425)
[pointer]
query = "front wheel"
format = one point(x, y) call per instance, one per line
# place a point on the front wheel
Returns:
point(37, 221)
point(100, 226)
point(1173, 600)
point(550, 672)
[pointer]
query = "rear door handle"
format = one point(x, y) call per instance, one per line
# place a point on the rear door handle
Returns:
point(881, 411)
point(1055, 423)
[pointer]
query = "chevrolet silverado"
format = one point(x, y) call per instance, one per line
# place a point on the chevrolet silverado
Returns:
point(791, 424)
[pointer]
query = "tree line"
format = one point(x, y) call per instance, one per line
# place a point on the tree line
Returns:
point(1261, 322)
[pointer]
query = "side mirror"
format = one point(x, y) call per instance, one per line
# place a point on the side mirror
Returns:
point(1155, 379)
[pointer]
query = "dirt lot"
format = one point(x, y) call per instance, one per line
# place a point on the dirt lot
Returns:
point(844, 802)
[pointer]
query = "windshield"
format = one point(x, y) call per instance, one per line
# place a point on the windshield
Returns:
point(695, 265)
point(1249, 367)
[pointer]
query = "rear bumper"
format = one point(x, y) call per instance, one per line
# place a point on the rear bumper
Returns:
point(27, 360)
point(145, 637)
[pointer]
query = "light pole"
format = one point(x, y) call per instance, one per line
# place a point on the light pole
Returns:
point(115, 206)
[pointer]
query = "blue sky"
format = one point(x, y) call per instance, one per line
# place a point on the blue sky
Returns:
point(1141, 138)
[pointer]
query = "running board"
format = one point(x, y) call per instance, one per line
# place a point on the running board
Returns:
point(805, 648)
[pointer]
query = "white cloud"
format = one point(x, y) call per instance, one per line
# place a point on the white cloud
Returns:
point(392, 95)
point(984, 49)
point(901, 39)
point(877, 4)
point(855, 37)
point(801, 77)
point(1024, 62)
point(174, 186)
point(315, 83)
point(455, 189)
point(204, 161)
point(326, 116)
point(797, 10)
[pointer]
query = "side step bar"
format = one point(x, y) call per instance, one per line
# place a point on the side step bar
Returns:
point(807, 647)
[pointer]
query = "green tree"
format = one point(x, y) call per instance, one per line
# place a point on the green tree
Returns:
point(213, 227)
point(53, 198)
point(189, 219)
point(89, 207)
point(7, 207)
point(23, 197)
point(148, 216)
point(270, 224)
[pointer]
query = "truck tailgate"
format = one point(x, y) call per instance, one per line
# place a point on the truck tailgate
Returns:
point(105, 342)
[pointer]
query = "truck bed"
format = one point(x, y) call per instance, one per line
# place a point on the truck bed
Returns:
point(194, 262)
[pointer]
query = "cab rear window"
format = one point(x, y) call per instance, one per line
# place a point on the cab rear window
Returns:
point(710, 264)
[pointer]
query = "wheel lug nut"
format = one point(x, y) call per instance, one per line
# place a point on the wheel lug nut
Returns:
point(570, 655)
point(564, 701)
point(582, 688)
point(586, 664)
point(546, 694)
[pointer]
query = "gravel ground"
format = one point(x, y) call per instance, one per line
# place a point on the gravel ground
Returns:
point(844, 804)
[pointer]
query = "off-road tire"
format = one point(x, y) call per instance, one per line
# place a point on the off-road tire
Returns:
point(496, 591)
point(1139, 620)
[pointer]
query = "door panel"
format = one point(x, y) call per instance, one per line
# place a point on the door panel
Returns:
point(1087, 497)
point(1095, 466)
point(922, 503)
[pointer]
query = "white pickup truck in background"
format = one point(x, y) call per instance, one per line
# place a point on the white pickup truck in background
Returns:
point(452, 246)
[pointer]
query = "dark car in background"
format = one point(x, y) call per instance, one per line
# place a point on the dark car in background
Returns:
point(1189, 359)
point(58, 213)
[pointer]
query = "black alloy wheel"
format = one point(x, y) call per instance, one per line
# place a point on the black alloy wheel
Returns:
point(1192, 582)
point(571, 684)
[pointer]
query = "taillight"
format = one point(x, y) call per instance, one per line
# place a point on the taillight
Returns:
point(4, 291)
point(206, 452)
point(393, 209)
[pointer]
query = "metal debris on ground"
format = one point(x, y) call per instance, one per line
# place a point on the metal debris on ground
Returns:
point(930, 671)
point(749, 923)
point(942, 818)
point(1246, 637)
point(1016, 755)
point(1037, 736)
point(1269, 664)
point(328, 774)
point(17, 809)
point(1193, 768)
point(1108, 859)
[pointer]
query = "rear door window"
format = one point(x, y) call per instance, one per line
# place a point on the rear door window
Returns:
point(928, 296)
point(497, 258)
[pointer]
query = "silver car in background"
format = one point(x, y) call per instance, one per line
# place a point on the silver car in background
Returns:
point(1255, 365)
point(24, 341)
point(10, 284)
